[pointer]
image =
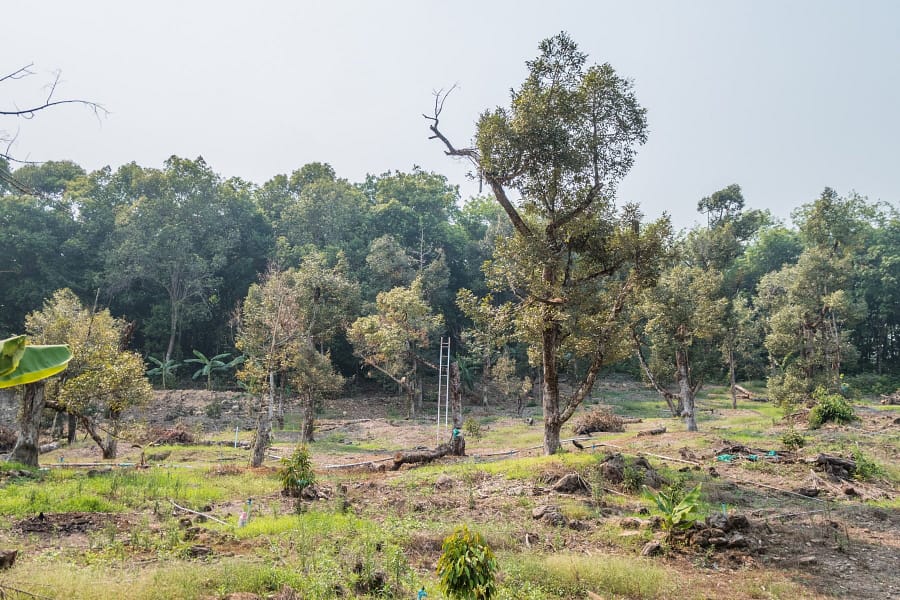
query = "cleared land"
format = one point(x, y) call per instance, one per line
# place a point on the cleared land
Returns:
point(102, 531)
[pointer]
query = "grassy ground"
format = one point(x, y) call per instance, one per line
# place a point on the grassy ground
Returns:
point(377, 533)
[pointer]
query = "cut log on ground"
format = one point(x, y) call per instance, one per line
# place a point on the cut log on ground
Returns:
point(420, 456)
point(48, 447)
point(837, 465)
point(655, 431)
point(743, 393)
point(891, 399)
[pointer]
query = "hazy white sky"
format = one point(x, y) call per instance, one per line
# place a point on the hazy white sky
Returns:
point(781, 97)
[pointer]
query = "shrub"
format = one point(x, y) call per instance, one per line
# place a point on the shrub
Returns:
point(472, 428)
point(866, 468)
point(793, 439)
point(829, 408)
point(467, 566)
point(632, 478)
point(296, 472)
point(676, 513)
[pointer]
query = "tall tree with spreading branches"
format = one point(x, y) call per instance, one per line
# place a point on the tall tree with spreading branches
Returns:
point(575, 261)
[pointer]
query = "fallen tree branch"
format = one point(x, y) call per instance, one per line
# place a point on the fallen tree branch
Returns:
point(194, 512)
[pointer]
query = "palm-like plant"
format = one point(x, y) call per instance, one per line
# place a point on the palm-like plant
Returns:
point(163, 369)
point(216, 364)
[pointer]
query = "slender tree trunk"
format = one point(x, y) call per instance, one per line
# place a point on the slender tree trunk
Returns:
point(72, 429)
point(309, 418)
point(485, 377)
point(56, 430)
point(687, 394)
point(264, 426)
point(27, 445)
point(91, 428)
point(731, 378)
point(457, 442)
point(417, 384)
point(173, 326)
point(279, 415)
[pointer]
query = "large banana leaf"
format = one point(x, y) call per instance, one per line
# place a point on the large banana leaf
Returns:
point(11, 350)
point(36, 363)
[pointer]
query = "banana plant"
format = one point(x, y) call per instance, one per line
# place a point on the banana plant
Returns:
point(163, 369)
point(216, 364)
point(21, 363)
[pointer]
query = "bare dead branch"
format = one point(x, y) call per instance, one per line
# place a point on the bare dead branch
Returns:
point(19, 73)
point(29, 112)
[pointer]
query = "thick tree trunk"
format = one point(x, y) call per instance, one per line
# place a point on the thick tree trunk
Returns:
point(26, 449)
point(687, 393)
point(552, 423)
point(309, 419)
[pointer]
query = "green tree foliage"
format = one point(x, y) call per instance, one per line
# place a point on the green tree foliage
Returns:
point(682, 318)
point(286, 324)
point(103, 379)
point(568, 137)
point(33, 230)
point(180, 236)
point(392, 340)
point(811, 306)
point(491, 332)
point(467, 567)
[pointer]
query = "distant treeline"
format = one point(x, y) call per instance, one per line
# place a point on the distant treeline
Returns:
point(175, 250)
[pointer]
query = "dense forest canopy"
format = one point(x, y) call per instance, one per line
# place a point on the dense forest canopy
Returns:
point(176, 249)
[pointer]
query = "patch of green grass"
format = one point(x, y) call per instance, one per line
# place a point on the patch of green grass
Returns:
point(118, 490)
point(572, 576)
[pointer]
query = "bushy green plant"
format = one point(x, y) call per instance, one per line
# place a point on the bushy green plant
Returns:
point(677, 514)
point(830, 407)
point(632, 478)
point(467, 567)
point(793, 439)
point(296, 472)
point(472, 428)
point(866, 468)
